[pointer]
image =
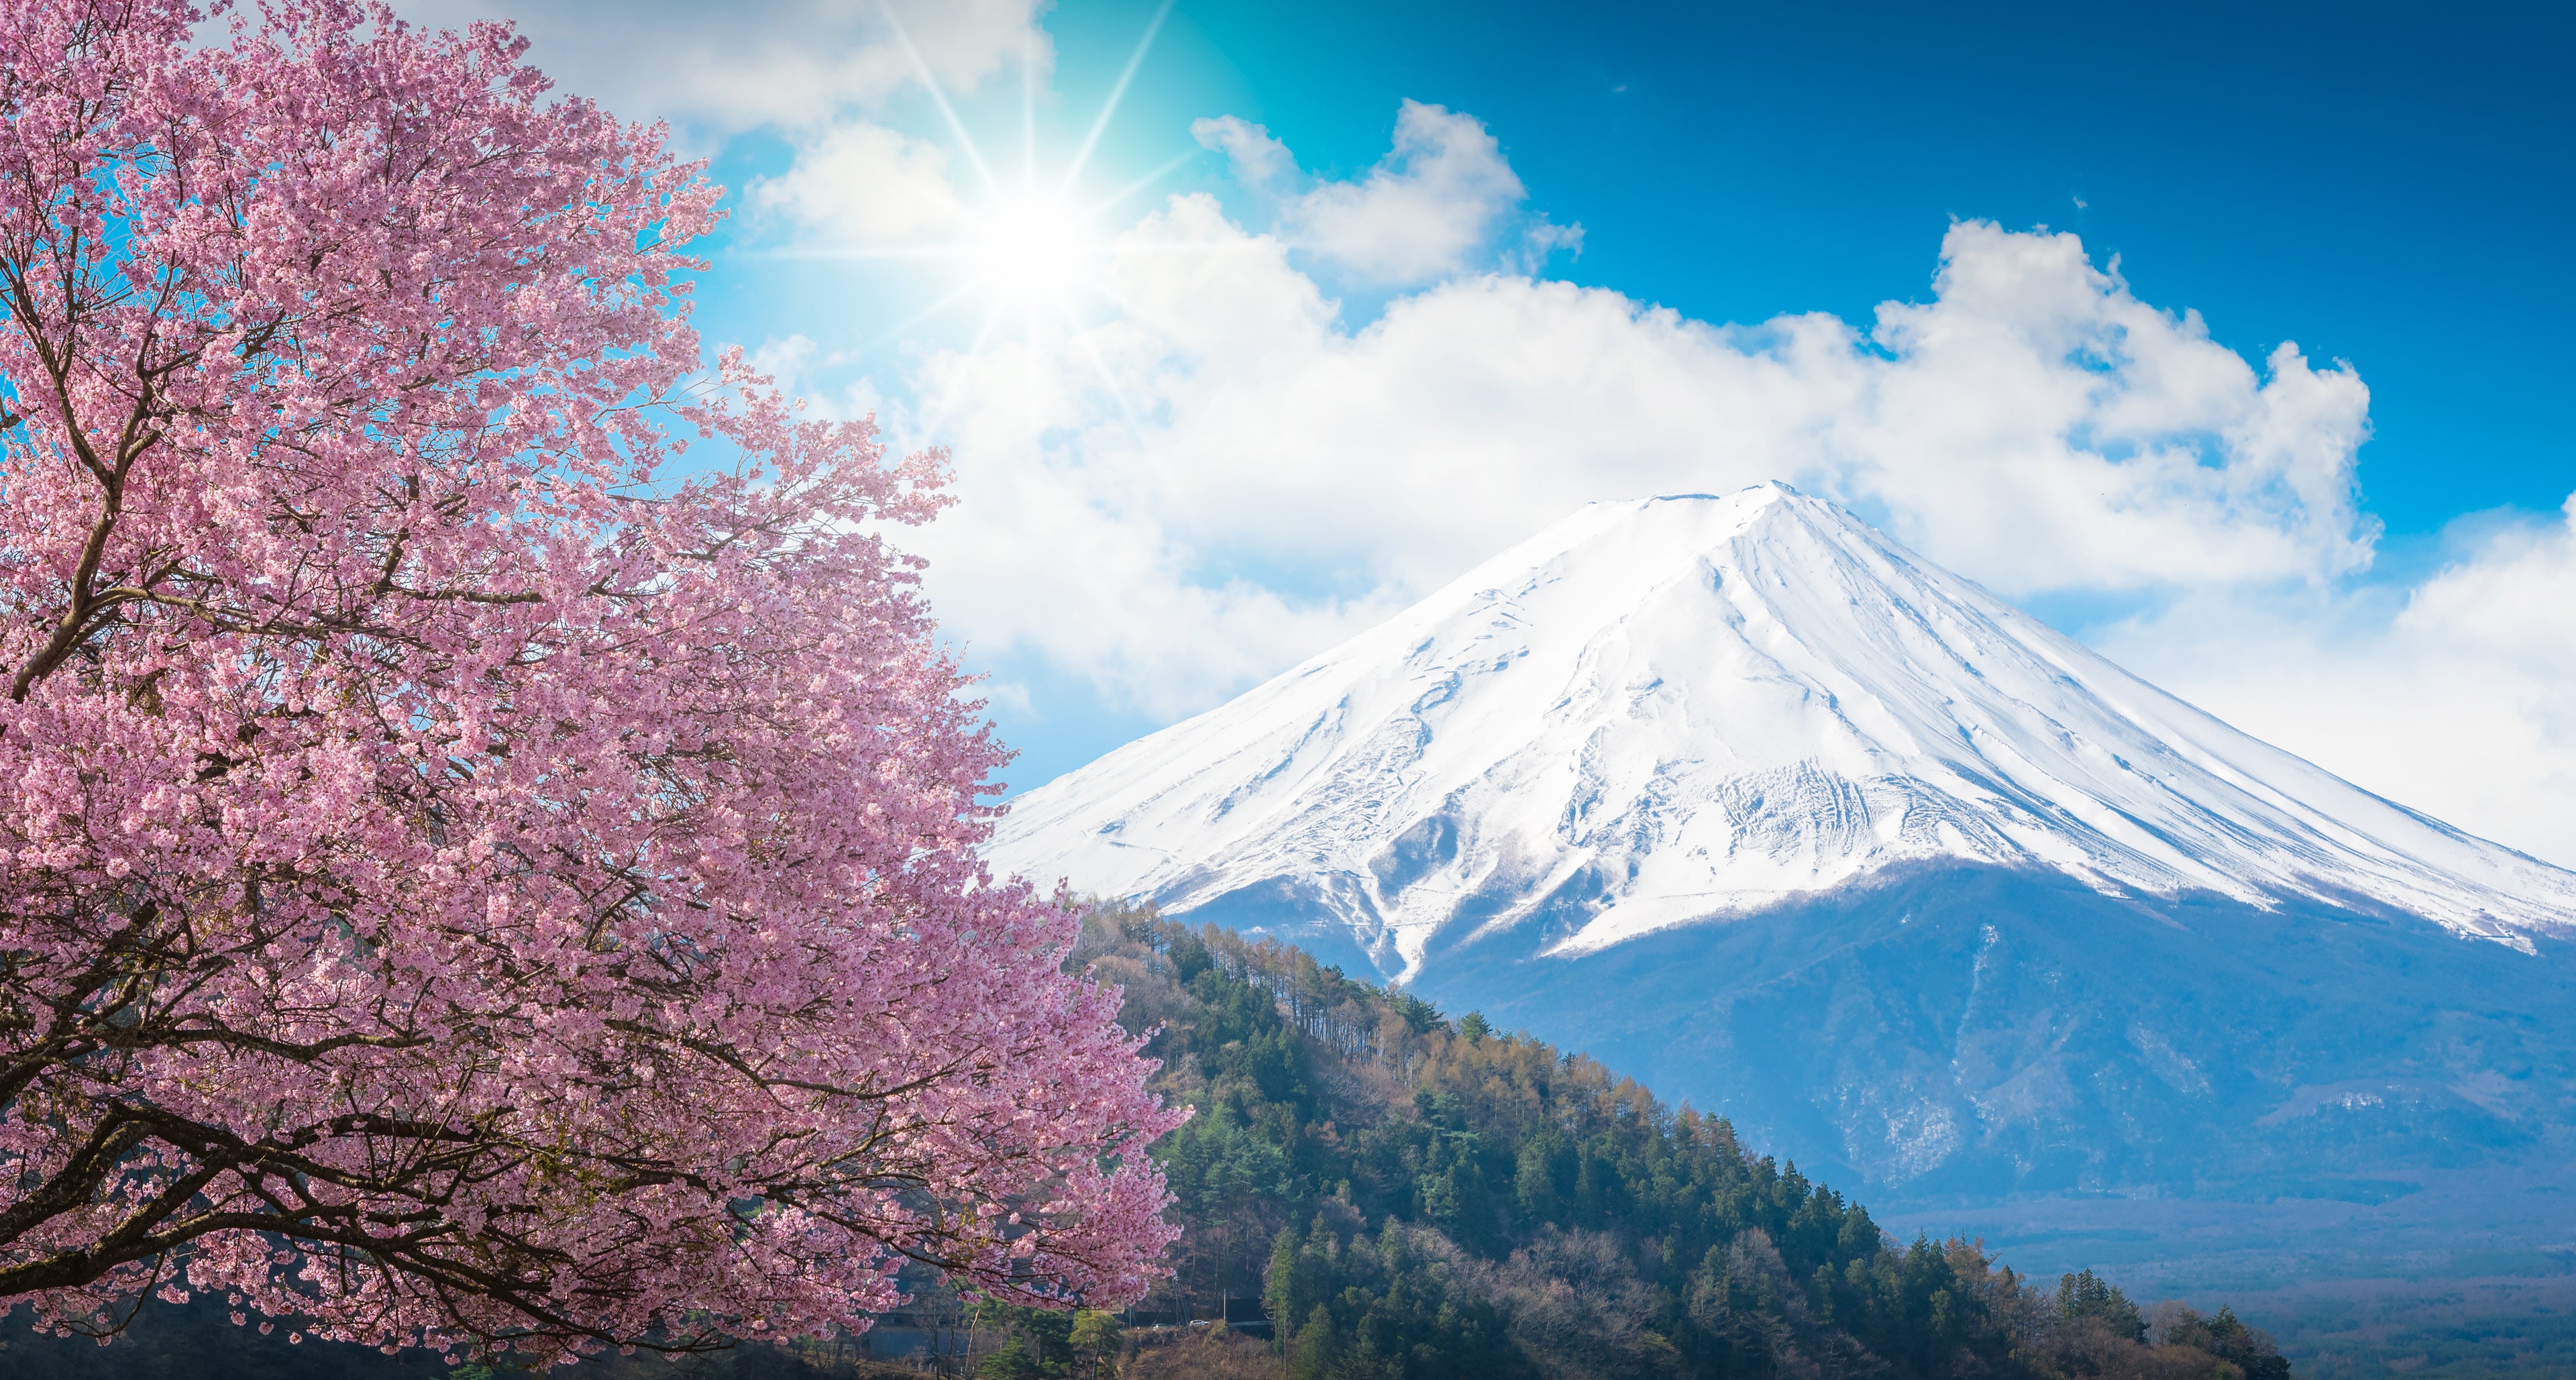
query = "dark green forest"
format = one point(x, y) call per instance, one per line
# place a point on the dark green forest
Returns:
point(1414, 1196)
point(1371, 1190)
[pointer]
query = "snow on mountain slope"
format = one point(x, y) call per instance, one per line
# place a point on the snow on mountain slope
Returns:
point(1689, 707)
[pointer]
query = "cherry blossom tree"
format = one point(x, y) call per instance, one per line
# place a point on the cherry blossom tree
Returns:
point(469, 879)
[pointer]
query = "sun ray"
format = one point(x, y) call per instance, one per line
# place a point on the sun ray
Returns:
point(1139, 311)
point(1117, 93)
point(1107, 203)
point(938, 97)
point(1033, 249)
point(931, 423)
point(1028, 115)
point(928, 312)
point(1099, 365)
point(869, 251)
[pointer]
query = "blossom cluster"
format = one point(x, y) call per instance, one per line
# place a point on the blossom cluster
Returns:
point(488, 850)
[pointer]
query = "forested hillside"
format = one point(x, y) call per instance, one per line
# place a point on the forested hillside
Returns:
point(1415, 1196)
point(1409, 1196)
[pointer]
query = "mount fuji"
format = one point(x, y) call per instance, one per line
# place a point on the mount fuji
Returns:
point(1749, 800)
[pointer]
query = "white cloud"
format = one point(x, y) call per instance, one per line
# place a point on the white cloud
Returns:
point(863, 183)
point(1264, 477)
point(725, 68)
point(1229, 474)
point(2457, 697)
point(2040, 425)
point(1543, 241)
point(1423, 212)
point(1260, 162)
point(789, 361)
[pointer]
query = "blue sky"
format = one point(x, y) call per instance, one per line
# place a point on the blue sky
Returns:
point(2386, 184)
point(1394, 285)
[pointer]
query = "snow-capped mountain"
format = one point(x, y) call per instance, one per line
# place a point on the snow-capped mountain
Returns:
point(1696, 707)
point(1755, 805)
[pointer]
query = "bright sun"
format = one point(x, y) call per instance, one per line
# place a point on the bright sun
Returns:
point(1028, 248)
point(1029, 251)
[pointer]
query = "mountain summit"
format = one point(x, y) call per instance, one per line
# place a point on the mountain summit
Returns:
point(1693, 707)
point(1738, 795)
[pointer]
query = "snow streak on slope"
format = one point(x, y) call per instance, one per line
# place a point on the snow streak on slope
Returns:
point(1689, 707)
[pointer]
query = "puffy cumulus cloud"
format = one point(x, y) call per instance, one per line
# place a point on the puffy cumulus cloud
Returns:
point(2097, 441)
point(792, 63)
point(1064, 547)
point(1228, 475)
point(2515, 592)
point(2456, 697)
point(1424, 212)
point(863, 183)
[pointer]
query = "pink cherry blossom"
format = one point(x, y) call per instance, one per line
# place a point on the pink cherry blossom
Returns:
point(468, 879)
